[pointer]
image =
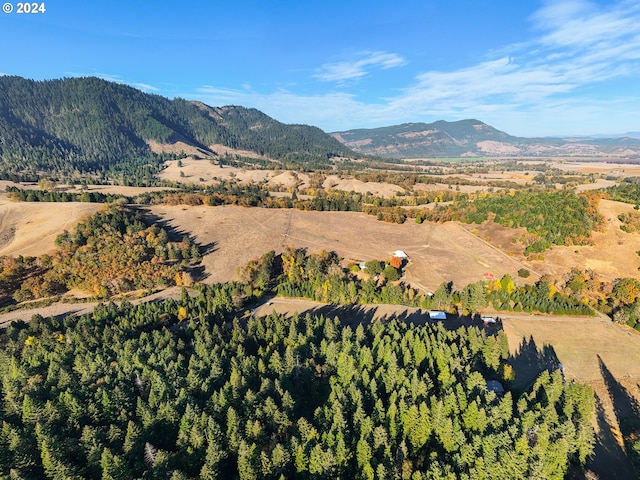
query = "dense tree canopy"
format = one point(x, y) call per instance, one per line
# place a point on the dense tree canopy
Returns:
point(180, 390)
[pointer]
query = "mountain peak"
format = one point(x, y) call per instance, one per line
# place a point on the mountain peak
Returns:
point(472, 137)
point(414, 140)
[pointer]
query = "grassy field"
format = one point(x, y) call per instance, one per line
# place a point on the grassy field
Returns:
point(438, 252)
point(236, 234)
point(31, 228)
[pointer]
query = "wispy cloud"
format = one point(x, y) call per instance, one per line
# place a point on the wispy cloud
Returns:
point(226, 96)
point(547, 82)
point(109, 77)
point(578, 23)
point(145, 87)
point(592, 47)
point(578, 45)
point(356, 69)
point(286, 106)
point(116, 79)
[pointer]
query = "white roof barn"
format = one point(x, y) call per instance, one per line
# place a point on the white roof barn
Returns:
point(400, 254)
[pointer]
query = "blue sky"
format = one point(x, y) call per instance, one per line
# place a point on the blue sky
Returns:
point(529, 67)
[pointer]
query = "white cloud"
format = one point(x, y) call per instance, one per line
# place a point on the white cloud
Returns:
point(145, 87)
point(343, 71)
point(535, 85)
point(116, 79)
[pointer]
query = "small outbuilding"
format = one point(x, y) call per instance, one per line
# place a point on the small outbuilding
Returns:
point(437, 315)
point(400, 254)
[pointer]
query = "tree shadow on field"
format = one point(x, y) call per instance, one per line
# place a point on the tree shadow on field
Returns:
point(354, 315)
point(176, 234)
point(530, 361)
point(609, 459)
point(351, 315)
point(625, 406)
point(198, 273)
point(416, 317)
point(619, 462)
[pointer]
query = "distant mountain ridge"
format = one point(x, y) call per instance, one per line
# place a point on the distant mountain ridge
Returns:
point(76, 126)
point(473, 138)
point(615, 135)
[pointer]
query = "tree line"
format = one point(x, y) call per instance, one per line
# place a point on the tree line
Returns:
point(107, 263)
point(551, 217)
point(322, 277)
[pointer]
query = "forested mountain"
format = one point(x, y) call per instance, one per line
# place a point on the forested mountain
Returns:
point(77, 126)
point(419, 139)
point(474, 138)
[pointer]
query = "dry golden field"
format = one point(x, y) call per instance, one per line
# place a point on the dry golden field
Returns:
point(30, 229)
point(237, 234)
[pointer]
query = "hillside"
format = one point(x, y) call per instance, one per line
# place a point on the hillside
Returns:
point(71, 127)
point(471, 138)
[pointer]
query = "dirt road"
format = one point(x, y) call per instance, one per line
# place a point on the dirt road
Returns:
point(64, 309)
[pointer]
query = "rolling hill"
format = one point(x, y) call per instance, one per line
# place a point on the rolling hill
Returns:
point(473, 138)
point(77, 126)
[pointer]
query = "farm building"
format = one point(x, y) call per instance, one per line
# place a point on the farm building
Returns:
point(488, 320)
point(437, 315)
point(400, 254)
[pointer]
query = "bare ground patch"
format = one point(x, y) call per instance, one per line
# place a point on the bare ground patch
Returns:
point(334, 182)
point(31, 228)
point(603, 168)
point(202, 171)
